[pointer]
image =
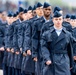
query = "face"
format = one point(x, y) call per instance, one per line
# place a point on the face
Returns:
point(39, 11)
point(30, 14)
point(73, 22)
point(58, 21)
point(14, 18)
point(25, 16)
point(47, 11)
point(67, 19)
point(34, 13)
point(10, 20)
point(4, 15)
point(21, 15)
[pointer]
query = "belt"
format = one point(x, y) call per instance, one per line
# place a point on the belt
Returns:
point(59, 51)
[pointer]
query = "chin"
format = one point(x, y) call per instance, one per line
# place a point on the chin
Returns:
point(59, 25)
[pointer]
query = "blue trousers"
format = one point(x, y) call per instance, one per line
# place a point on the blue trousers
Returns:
point(5, 69)
point(18, 72)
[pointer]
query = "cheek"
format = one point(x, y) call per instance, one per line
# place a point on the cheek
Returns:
point(29, 14)
point(22, 16)
point(61, 22)
point(41, 11)
point(37, 11)
point(55, 22)
point(46, 11)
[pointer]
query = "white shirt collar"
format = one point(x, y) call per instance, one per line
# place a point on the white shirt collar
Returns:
point(58, 31)
point(46, 19)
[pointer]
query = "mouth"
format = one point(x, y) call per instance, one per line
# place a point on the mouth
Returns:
point(58, 23)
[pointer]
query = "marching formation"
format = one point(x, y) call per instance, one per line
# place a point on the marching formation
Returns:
point(38, 41)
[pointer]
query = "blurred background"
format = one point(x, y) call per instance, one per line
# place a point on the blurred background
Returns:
point(68, 6)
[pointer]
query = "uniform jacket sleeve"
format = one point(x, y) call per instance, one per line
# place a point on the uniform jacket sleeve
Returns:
point(44, 48)
point(27, 38)
point(34, 40)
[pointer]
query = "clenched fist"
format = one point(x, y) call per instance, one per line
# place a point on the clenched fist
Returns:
point(48, 62)
point(28, 52)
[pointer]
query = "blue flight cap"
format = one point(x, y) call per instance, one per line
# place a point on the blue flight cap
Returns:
point(46, 5)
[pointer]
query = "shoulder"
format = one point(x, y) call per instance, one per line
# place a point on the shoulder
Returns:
point(46, 34)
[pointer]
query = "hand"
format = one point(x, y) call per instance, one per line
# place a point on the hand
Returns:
point(17, 53)
point(74, 57)
point(24, 54)
point(2, 49)
point(48, 62)
point(28, 52)
point(12, 50)
point(8, 49)
point(35, 59)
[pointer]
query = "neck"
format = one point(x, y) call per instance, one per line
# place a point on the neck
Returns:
point(73, 26)
point(47, 18)
point(58, 27)
point(9, 23)
point(25, 19)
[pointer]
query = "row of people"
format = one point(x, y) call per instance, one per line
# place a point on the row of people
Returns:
point(37, 42)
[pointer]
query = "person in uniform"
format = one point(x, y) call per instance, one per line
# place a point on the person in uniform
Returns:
point(2, 33)
point(6, 58)
point(56, 48)
point(11, 52)
point(73, 24)
point(48, 15)
point(36, 33)
point(18, 50)
point(27, 58)
point(66, 23)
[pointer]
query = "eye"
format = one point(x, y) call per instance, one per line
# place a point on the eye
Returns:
point(60, 19)
point(49, 9)
point(45, 9)
point(56, 19)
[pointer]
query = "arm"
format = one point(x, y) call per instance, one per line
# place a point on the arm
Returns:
point(44, 48)
point(34, 40)
point(27, 38)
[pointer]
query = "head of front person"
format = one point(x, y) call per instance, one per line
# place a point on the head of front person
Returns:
point(73, 20)
point(47, 9)
point(39, 9)
point(67, 17)
point(57, 19)
point(21, 10)
point(29, 12)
